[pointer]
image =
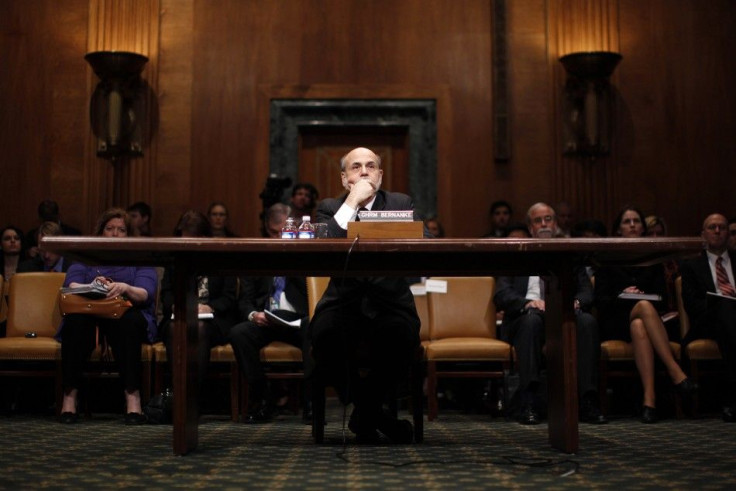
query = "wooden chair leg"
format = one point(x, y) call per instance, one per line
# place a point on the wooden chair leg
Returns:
point(243, 397)
point(318, 410)
point(234, 391)
point(417, 383)
point(603, 386)
point(431, 390)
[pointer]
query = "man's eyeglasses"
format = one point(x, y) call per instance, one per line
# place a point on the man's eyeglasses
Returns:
point(544, 219)
point(717, 227)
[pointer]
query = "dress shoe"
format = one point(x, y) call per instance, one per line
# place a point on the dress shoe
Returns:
point(648, 415)
point(397, 430)
point(68, 418)
point(590, 413)
point(259, 414)
point(687, 388)
point(132, 419)
point(529, 416)
point(729, 414)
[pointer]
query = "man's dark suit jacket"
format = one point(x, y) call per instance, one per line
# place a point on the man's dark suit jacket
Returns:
point(697, 280)
point(379, 294)
point(511, 294)
point(256, 292)
point(223, 300)
point(35, 264)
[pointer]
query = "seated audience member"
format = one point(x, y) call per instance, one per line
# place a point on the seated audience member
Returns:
point(304, 198)
point(638, 321)
point(565, 219)
point(523, 301)
point(46, 260)
point(140, 217)
point(713, 317)
point(500, 218)
point(124, 335)
point(434, 227)
point(286, 297)
point(589, 229)
point(656, 226)
point(12, 250)
point(365, 331)
point(732, 235)
point(11, 254)
point(218, 216)
point(518, 231)
point(48, 211)
point(216, 296)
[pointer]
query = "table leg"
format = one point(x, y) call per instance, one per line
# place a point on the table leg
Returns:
point(562, 361)
point(184, 363)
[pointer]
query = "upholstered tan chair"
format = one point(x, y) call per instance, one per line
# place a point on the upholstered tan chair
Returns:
point(29, 348)
point(462, 328)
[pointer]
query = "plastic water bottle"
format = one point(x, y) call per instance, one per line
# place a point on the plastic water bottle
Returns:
point(306, 229)
point(289, 230)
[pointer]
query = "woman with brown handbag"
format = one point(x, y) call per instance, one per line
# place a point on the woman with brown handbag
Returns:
point(124, 335)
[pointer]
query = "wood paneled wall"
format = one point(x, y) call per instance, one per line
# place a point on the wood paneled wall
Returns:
point(215, 64)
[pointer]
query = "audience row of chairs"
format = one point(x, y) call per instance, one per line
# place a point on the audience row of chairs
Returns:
point(458, 338)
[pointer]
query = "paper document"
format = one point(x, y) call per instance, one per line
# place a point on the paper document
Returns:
point(281, 321)
point(201, 315)
point(95, 289)
point(718, 295)
point(436, 286)
point(641, 296)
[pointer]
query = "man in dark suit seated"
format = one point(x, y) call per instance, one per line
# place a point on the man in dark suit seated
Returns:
point(287, 298)
point(522, 300)
point(710, 316)
point(365, 331)
point(45, 260)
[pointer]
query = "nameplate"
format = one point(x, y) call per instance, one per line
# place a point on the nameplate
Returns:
point(386, 230)
point(386, 216)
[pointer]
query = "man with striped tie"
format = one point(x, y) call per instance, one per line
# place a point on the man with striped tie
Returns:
point(714, 316)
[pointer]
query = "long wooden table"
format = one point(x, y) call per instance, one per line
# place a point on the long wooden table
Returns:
point(553, 258)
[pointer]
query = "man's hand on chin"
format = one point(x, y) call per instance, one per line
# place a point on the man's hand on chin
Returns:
point(361, 192)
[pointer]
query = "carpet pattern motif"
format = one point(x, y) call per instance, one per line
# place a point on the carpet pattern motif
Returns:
point(468, 451)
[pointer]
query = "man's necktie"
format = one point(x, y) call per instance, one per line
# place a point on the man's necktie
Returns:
point(722, 276)
point(279, 283)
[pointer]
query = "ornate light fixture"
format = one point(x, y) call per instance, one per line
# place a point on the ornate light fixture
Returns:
point(117, 107)
point(587, 110)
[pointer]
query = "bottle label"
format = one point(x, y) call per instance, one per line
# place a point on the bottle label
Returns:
point(306, 234)
point(288, 234)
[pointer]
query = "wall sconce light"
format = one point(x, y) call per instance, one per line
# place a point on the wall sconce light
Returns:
point(117, 107)
point(587, 110)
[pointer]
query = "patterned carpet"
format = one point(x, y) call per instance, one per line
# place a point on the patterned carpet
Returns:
point(471, 451)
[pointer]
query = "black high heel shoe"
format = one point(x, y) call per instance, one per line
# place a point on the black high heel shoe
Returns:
point(687, 388)
point(68, 418)
point(648, 415)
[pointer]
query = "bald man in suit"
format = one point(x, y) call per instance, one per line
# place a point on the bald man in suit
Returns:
point(714, 317)
point(365, 331)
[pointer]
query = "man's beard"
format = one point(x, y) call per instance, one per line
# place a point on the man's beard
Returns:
point(545, 233)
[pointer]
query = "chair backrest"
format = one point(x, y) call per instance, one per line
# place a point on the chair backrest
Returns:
point(466, 310)
point(33, 304)
point(684, 319)
point(316, 286)
point(3, 299)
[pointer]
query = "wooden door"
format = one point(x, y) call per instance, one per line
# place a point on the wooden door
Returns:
point(320, 150)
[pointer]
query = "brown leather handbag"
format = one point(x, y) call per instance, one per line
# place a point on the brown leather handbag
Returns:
point(107, 308)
